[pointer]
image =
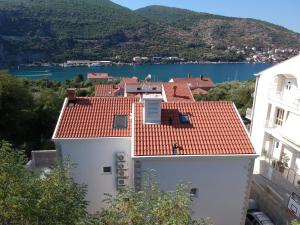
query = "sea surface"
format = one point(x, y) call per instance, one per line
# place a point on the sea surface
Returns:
point(218, 72)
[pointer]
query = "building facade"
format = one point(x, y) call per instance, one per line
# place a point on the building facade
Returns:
point(276, 121)
point(113, 140)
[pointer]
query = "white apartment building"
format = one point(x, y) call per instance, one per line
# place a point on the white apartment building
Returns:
point(275, 127)
point(112, 140)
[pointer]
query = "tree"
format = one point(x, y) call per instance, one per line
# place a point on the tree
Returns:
point(238, 92)
point(27, 198)
point(295, 222)
point(150, 206)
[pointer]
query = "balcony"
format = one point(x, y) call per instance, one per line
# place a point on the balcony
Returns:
point(290, 99)
point(288, 178)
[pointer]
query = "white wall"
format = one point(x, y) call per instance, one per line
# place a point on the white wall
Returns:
point(266, 80)
point(222, 184)
point(90, 155)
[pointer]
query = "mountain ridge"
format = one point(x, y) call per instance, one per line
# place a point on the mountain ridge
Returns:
point(58, 30)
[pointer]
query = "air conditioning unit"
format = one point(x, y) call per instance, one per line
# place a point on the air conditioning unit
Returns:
point(122, 173)
point(121, 157)
point(122, 182)
point(122, 165)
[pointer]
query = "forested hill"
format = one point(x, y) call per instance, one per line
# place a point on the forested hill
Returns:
point(57, 30)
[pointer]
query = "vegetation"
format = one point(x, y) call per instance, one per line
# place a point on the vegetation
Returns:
point(57, 30)
point(295, 222)
point(149, 206)
point(29, 109)
point(238, 92)
point(35, 198)
point(29, 198)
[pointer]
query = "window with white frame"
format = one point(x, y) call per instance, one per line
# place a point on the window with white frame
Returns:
point(279, 116)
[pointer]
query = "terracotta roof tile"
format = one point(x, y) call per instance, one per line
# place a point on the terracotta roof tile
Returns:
point(199, 91)
point(194, 82)
point(215, 128)
point(93, 117)
point(98, 76)
point(181, 93)
point(105, 90)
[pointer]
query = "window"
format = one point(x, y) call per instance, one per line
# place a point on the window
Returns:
point(194, 192)
point(138, 88)
point(184, 119)
point(106, 169)
point(279, 117)
point(120, 121)
point(288, 85)
point(154, 88)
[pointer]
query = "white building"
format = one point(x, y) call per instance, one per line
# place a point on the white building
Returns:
point(276, 120)
point(113, 140)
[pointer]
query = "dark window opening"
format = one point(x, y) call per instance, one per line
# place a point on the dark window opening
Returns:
point(194, 192)
point(184, 119)
point(106, 169)
point(139, 89)
point(120, 121)
point(154, 88)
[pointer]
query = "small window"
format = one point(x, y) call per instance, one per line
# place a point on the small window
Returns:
point(106, 169)
point(184, 119)
point(277, 144)
point(139, 89)
point(194, 192)
point(120, 121)
point(154, 88)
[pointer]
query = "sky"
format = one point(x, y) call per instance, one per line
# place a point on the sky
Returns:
point(281, 12)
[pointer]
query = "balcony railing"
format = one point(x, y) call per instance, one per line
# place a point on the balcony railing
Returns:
point(288, 177)
point(292, 100)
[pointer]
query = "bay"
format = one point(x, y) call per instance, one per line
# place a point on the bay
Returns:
point(218, 72)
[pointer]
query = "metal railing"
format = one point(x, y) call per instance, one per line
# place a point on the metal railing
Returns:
point(289, 174)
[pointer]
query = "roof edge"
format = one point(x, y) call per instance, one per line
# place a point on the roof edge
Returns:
point(254, 155)
point(59, 118)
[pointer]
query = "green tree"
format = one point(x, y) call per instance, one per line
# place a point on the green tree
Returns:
point(295, 222)
point(149, 206)
point(27, 198)
point(238, 92)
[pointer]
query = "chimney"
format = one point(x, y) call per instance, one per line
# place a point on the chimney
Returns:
point(71, 93)
point(174, 148)
point(174, 89)
point(152, 108)
point(201, 77)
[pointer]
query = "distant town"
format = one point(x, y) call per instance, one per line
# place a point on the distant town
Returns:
point(251, 54)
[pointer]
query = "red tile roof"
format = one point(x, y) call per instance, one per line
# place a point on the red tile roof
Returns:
point(203, 82)
point(93, 117)
point(129, 80)
point(215, 129)
point(199, 91)
point(106, 90)
point(99, 76)
point(181, 94)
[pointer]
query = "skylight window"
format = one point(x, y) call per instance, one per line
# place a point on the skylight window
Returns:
point(120, 121)
point(184, 119)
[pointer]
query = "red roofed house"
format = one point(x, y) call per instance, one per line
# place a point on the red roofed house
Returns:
point(98, 77)
point(198, 85)
point(204, 144)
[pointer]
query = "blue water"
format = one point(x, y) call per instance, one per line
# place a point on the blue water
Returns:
point(217, 72)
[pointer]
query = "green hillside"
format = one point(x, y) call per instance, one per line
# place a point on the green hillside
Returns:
point(58, 30)
point(181, 18)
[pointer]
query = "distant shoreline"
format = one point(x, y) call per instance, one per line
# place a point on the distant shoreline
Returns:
point(51, 65)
